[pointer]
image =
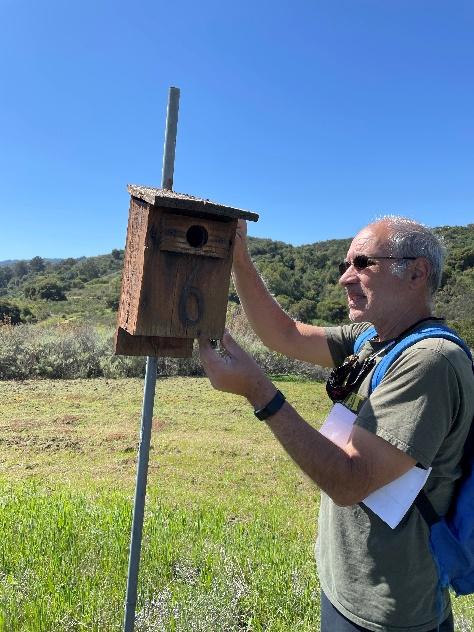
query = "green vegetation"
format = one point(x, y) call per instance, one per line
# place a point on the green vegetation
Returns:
point(304, 279)
point(13, 314)
point(78, 290)
point(68, 350)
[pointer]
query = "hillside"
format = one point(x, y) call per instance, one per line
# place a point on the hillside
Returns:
point(302, 278)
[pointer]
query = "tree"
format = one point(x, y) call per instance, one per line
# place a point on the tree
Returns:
point(48, 289)
point(6, 274)
point(20, 269)
point(332, 311)
point(88, 270)
point(37, 264)
point(303, 310)
point(466, 259)
point(112, 294)
point(51, 291)
point(67, 263)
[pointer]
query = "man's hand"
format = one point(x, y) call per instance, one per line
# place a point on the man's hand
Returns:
point(242, 230)
point(240, 250)
point(234, 371)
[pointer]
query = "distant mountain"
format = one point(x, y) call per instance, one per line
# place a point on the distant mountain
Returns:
point(9, 262)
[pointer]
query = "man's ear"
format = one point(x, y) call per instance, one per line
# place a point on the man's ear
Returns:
point(419, 272)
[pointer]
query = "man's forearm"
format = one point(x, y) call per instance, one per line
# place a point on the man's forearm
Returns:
point(264, 314)
point(275, 328)
point(327, 465)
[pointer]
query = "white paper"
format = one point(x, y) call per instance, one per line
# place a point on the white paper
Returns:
point(338, 425)
point(392, 501)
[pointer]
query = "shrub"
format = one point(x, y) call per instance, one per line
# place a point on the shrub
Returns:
point(9, 312)
point(48, 289)
point(37, 264)
point(465, 329)
point(27, 351)
point(70, 351)
point(332, 311)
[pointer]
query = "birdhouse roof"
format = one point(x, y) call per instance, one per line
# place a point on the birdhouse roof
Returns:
point(180, 202)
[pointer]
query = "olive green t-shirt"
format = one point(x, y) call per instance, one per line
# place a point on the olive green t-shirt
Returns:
point(378, 577)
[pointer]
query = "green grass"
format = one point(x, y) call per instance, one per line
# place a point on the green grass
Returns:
point(65, 563)
point(230, 521)
point(229, 527)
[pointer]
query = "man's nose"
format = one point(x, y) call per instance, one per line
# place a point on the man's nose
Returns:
point(349, 276)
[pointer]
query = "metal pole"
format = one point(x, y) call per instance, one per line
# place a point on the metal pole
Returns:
point(148, 396)
point(170, 139)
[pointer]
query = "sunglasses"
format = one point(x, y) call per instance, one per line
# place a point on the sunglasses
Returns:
point(360, 262)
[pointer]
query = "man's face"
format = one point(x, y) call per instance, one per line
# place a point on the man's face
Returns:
point(373, 293)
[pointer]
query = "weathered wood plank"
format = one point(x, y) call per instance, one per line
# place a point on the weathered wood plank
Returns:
point(190, 204)
point(133, 264)
point(196, 236)
point(155, 346)
point(183, 295)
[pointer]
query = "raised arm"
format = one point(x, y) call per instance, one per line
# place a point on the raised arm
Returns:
point(271, 323)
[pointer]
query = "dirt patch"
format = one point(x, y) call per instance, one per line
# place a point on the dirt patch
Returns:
point(116, 436)
point(68, 420)
point(40, 444)
point(21, 425)
point(158, 424)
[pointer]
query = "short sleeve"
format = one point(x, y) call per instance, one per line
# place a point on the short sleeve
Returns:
point(341, 340)
point(414, 406)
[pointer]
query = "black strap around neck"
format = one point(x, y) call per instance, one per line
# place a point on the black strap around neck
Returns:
point(411, 328)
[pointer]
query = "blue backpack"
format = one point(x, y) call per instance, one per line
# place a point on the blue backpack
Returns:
point(451, 536)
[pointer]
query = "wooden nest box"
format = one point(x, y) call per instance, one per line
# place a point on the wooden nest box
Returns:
point(176, 275)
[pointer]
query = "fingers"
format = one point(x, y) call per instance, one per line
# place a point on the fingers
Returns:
point(216, 358)
point(232, 349)
point(215, 365)
point(241, 235)
point(230, 369)
point(213, 359)
point(205, 344)
point(206, 351)
point(229, 343)
point(242, 228)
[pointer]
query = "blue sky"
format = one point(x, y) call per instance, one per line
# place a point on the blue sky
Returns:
point(319, 115)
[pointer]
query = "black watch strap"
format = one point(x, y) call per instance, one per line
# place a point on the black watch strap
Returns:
point(272, 407)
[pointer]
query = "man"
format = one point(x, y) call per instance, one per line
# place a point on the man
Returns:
point(372, 577)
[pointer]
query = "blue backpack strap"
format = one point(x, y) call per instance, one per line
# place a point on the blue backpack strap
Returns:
point(427, 332)
point(363, 337)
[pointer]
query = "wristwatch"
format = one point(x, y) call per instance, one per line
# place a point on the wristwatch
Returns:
point(271, 408)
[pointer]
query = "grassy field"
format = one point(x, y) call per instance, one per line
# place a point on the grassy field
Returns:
point(229, 526)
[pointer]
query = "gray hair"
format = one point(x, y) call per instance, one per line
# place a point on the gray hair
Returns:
point(411, 239)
